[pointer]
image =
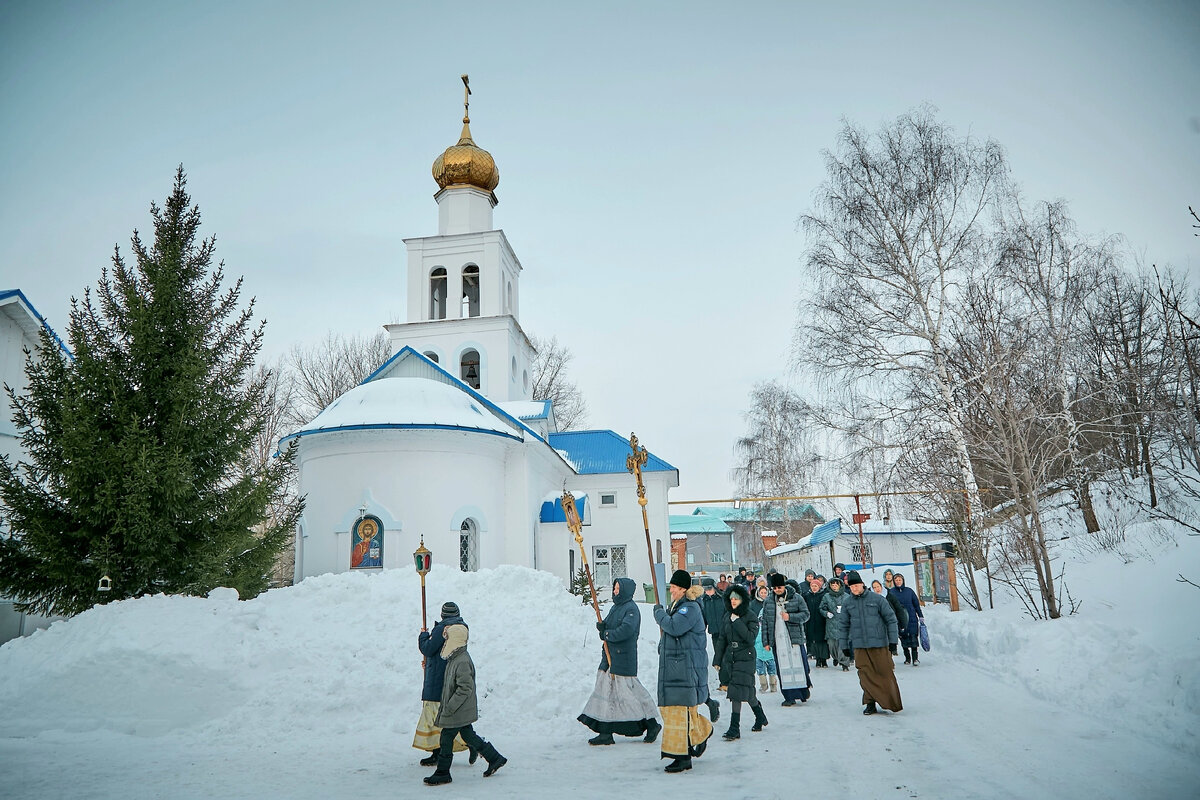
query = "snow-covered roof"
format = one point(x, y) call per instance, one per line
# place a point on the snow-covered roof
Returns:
point(16, 306)
point(527, 409)
point(407, 403)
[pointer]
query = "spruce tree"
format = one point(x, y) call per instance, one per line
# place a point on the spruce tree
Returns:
point(139, 460)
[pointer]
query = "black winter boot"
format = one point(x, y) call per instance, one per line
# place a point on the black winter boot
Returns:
point(735, 727)
point(870, 709)
point(472, 754)
point(442, 773)
point(679, 764)
point(604, 738)
point(430, 760)
point(760, 718)
point(907, 657)
point(714, 711)
point(494, 759)
point(652, 730)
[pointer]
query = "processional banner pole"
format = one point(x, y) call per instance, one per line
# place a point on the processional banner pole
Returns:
point(634, 463)
point(424, 561)
point(575, 524)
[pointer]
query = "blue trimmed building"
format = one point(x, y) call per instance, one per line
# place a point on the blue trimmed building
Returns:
point(445, 441)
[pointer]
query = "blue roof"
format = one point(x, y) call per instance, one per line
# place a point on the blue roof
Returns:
point(17, 293)
point(553, 511)
point(755, 512)
point(601, 452)
point(696, 523)
point(826, 533)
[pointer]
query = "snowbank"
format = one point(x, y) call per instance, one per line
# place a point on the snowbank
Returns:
point(337, 652)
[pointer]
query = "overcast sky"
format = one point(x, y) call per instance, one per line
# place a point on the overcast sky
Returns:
point(654, 158)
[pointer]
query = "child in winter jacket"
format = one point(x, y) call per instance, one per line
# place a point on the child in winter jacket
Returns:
point(764, 663)
point(459, 709)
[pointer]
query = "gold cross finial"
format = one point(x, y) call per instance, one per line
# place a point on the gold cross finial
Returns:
point(466, 98)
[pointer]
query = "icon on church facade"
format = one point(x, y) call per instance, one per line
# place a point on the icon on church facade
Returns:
point(366, 544)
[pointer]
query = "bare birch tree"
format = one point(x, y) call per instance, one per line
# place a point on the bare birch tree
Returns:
point(897, 230)
point(323, 372)
point(776, 457)
point(551, 382)
point(1058, 275)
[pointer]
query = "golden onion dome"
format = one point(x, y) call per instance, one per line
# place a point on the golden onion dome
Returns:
point(466, 164)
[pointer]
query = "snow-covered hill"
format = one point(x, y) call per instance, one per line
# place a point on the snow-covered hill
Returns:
point(313, 691)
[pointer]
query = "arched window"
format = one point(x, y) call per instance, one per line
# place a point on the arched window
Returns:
point(469, 368)
point(468, 546)
point(508, 298)
point(432, 356)
point(437, 293)
point(470, 295)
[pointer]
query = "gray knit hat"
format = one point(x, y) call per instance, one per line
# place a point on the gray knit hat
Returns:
point(449, 609)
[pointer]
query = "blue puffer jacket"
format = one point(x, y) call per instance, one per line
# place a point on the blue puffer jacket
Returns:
point(621, 629)
point(908, 601)
point(430, 644)
point(870, 621)
point(682, 652)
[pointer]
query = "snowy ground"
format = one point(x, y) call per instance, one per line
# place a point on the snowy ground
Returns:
point(313, 691)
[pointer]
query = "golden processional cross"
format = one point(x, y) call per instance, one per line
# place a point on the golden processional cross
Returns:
point(575, 525)
point(634, 463)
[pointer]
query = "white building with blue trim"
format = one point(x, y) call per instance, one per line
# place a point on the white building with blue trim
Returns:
point(445, 442)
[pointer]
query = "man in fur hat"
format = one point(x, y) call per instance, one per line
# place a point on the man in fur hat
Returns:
point(682, 674)
point(460, 709)
point(871, 628)
point(783, 616)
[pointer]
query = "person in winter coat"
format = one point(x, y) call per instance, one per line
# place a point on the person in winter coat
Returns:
point(460, 708)
point(764, 663)
point(722, 585)
point(805, 586)
point(682, 674)
point(735, 653)
point(713, 606)
point(835, 621)
point(871, 628)
point(619, 703)
point(839, 572)
point(784, 615)
point(910, 633)
point(814, 629)
point(888, 578)
point(901, 614)
point(428, 736)
point(757, 595)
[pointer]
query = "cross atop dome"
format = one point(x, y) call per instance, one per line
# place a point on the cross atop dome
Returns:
point(465, 163)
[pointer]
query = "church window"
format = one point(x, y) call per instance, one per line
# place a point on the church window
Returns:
point(508, 298)
point(525, 379)
point(468, 547)
point(608, 500)
point(514, 368)
point(432, 356)
point(437, 293)
point(470, 287)
point(469, 368)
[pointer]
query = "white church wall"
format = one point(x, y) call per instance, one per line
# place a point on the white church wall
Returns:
point(621, 525)
point(428, 479)
point(498, 340)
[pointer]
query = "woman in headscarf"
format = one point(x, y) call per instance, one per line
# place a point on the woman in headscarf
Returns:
point(620, 704)
point(735, 654)
point(784, 615)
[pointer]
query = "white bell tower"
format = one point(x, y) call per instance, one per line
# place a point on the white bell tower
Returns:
point(464, 283)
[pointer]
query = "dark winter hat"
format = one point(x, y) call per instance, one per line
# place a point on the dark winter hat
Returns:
point(832, 581)
point(681, 578)
point(852, 578)
point(808, 573)
point(839, 566)
point(449, 609)
point(778, 579)
point(708, 583)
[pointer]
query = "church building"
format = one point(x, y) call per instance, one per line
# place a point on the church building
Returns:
point(445, 441)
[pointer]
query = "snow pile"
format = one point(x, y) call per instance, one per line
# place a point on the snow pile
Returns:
point(335, 653)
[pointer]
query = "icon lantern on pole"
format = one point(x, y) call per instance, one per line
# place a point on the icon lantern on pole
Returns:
point(424, 561)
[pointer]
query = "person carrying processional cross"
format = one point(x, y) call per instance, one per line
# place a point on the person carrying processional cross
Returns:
point(682, 674)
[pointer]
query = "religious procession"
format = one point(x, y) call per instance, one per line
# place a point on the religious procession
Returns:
point(764, 630)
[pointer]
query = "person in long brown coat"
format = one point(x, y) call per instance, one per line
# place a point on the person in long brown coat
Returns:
point(873, 633)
